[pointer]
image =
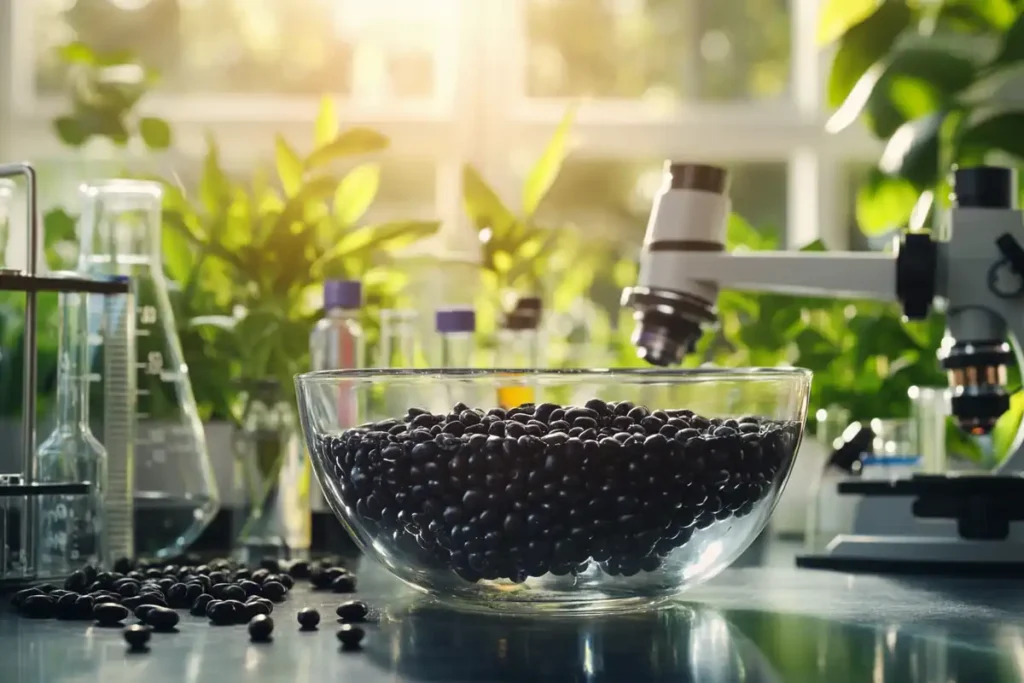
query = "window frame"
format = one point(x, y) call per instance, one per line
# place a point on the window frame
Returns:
point(487, 117)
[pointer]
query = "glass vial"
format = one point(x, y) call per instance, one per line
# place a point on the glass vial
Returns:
point(455, 343)
point(176, 493)
point(71, 529)
point(455, 329)
point(519, 347)
point(400, 346)
point(338, 342)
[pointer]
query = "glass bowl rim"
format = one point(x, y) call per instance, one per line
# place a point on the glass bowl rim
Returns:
point(682, 374)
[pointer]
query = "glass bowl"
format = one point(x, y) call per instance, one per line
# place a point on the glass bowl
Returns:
point(585, 490)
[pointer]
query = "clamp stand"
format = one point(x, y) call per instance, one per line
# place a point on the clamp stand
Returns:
point(19, 490)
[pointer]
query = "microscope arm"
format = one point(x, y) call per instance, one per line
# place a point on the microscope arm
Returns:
point(839, 275)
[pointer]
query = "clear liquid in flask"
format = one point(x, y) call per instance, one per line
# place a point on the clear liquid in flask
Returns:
point(175, 490)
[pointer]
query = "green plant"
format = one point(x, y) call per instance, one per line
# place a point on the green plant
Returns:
point(104, 89)
point(521, 254)
point(931, 79)
point(250, 259)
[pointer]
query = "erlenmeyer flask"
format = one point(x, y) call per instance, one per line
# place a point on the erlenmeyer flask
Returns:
point(175, 489)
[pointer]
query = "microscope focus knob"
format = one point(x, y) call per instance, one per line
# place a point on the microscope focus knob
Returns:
point(916, 263)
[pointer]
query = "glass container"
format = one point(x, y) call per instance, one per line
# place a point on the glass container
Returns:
point(929, 414)
point(400, 348)
point(455, 329)
point(338, 342)
point(543, 507)
point(269, 461)
point(175, 490)
point(891, 455)
point(71, 527)
point(519, 346)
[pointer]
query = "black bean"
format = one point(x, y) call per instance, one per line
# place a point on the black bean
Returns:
point(249, 588)
point(137, 637)
point(108, 614)
point(255, 608)
point(37, 606)
point(299, 569)
point(352, 611)
point(351, 636)
point(272, 590)
point(308, 618)
point(260, 628)
point(198, 608)
point(344, 584)
point(162, 618)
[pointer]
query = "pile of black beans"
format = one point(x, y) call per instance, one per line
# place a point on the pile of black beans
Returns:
point(538, 489)
point(225, 592)
point(91, 595)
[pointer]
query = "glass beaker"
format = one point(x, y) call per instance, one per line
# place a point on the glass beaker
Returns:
point(71, 528)
point(175, 489)
point(269, 464)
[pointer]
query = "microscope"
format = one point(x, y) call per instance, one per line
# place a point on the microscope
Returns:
point(956, 523)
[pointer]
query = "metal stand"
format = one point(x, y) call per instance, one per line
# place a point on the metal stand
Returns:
point(22, 485)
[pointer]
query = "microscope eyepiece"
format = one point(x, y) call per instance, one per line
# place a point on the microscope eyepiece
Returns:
point(669, 309)
point(985, 187)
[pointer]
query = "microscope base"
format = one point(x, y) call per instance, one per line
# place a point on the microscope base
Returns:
point(918, 555)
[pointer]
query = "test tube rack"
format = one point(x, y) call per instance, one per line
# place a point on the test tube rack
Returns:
point(22, 487)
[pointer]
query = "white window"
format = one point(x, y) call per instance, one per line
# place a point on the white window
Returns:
point(480, 81)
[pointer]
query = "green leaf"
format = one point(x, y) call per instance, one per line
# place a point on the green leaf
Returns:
point(839, 16)
point(913, 151)
point(387, 236)
point(1012, 49)
point(76, 52)
point(214, 186)
point(996, 131)
point(289, 167)
point(156, 133)
point(483, 205)
point(908, 83)
point(356, 193)
point(544, 173)
point(863, 45)
point(979, 17)
point(993, 84)
point(326, 128)
point(961, 445)
point(58, 225)
point(71, 131)
point(1005, 432)
point(814, 246)
point(352, 142)
point(884, 203)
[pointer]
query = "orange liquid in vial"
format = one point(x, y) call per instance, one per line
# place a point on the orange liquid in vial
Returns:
point(514, 395)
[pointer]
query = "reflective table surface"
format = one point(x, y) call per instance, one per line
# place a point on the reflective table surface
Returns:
point(751, 624)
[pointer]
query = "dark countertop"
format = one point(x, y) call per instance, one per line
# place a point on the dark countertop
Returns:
point(749, 624)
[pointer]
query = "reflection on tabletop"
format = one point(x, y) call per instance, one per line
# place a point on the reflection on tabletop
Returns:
point(747, 625)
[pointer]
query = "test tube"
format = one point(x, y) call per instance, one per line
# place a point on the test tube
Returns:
point(119, 390)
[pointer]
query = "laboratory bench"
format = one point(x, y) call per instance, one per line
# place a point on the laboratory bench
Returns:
point(750, 624)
